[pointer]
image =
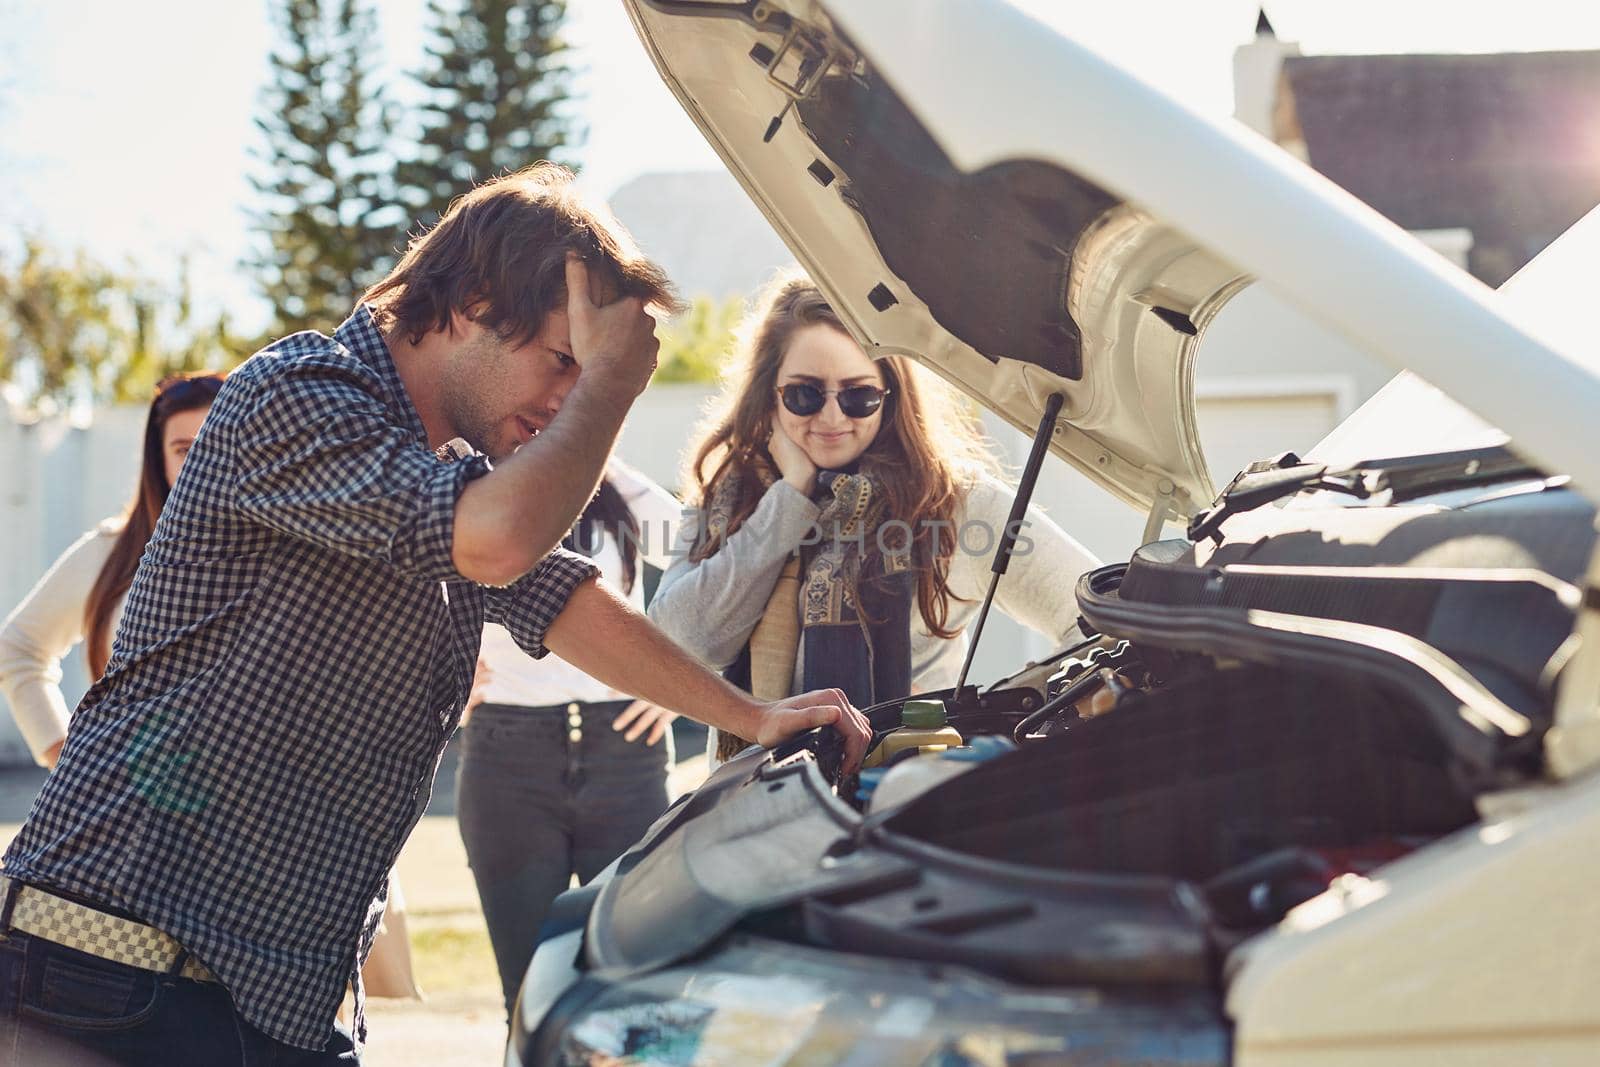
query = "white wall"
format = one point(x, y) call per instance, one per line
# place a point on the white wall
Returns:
point(1257, 66)
point(61, 480)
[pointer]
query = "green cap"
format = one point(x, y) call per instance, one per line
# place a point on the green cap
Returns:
point(922, 714)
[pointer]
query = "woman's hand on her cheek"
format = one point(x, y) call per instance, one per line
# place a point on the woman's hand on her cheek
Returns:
point(792, 462)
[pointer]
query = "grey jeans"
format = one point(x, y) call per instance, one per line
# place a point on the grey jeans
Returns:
point(543, 794)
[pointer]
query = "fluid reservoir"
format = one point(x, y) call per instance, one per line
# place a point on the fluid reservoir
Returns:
point(922, 726)
point(915, 775)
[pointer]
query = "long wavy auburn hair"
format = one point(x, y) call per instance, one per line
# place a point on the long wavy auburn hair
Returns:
point(928, 450)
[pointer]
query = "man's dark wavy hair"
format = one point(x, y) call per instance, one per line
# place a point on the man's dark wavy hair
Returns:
point(498, 255)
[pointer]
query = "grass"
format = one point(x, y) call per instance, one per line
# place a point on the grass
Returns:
point(450, 953)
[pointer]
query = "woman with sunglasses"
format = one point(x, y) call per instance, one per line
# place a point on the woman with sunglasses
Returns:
point(848, 515)
point(80, 598)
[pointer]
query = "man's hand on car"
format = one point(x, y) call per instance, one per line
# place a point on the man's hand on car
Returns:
point(783, 719)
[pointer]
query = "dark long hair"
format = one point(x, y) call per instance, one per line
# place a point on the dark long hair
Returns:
point(182, 393)
point(608, 513)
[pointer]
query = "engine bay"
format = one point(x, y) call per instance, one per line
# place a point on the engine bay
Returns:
point(1257, 785)
point(1259, 712)
point(1282, 707)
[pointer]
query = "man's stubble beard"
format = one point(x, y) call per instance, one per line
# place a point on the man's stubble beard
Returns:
point(467, 408)
point(471, 422)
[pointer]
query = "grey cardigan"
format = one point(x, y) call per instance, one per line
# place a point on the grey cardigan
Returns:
point(711, 607)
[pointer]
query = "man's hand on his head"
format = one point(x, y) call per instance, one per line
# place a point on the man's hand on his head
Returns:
point(615, 337)
point(782, 719)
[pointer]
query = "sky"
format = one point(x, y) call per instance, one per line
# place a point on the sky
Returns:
point(126, 129)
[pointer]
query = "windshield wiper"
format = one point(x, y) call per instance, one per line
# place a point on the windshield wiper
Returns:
point(1265, 481)
point(1403, 478)
point(1413, 476)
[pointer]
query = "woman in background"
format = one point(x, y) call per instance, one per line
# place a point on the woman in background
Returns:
point(80, 598)
point(848, 516)
point(559, 773)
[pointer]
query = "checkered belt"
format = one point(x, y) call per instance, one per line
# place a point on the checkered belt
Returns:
point(66, 922)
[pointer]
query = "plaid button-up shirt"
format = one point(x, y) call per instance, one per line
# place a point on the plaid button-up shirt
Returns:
point(295, 653)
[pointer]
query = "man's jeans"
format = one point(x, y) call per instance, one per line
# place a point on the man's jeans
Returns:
point(63, 1008)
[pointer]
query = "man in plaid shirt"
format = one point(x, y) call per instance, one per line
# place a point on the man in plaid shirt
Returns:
point(200, 879)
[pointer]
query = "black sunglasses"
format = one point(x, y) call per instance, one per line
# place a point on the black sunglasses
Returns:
point(856, 401)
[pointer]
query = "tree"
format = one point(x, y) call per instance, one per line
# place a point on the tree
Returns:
point(696, 345)
point(328, 221)
point(73, 330)
point(171, 337)
point(495, 84)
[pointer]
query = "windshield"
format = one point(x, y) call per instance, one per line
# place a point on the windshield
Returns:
point(1410, 417)
point(1407, 417)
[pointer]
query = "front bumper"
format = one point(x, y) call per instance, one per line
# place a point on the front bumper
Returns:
point(755, 1000)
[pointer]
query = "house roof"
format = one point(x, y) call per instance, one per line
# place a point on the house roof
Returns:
point(1507, 145)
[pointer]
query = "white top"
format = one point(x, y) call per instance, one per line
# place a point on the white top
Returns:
point(712, 606)
point(517, 678)
point(43, 628)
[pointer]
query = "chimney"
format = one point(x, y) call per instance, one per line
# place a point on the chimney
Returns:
point(1256, 69)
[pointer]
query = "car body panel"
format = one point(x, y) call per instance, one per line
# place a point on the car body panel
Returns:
point(1478, 946)
point(1483, 949)
point(1243, 206)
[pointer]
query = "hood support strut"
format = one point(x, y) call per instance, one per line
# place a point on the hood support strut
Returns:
point(1573, 745)
point(1160, 508)
point(1019, 515)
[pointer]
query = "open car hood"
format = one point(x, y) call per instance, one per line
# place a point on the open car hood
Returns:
point(973, 190)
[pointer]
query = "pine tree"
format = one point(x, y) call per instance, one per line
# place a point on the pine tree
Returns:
point(495, 85)
point(328, 222)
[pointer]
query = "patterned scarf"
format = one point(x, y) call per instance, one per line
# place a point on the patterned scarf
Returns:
point(849, 596)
